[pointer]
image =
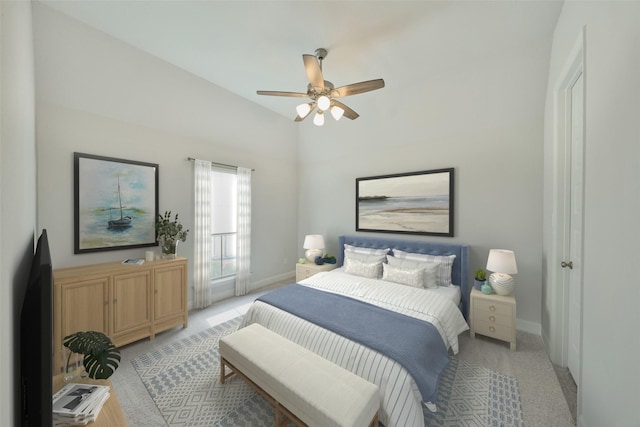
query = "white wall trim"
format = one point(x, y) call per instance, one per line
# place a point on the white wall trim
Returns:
point(290, 275)
point(225, 288)
point(527, 326)
point(557, 295)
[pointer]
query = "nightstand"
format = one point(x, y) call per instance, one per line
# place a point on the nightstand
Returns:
point(307, 270)
point(494, 316)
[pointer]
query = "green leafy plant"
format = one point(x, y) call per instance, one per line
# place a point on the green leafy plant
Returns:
point(101, 357)
point(169, 232)
point(329, 259)
point(481, 275)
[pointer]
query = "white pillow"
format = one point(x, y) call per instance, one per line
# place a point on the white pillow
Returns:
point(364, 257)
point(404, 276)
point(431, 269)
point(372, 270)
point(446, 263)
point(365, 251)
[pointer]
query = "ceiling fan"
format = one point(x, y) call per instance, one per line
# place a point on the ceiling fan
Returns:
point(323, 94)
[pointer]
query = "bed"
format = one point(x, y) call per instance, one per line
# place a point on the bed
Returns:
point(404, 357)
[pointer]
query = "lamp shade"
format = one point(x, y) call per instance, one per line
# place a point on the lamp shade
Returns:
point(304, 109)
point(337, 112)
point(314, 244)
point(313, 241)
point(318, 119)
point(502, 261)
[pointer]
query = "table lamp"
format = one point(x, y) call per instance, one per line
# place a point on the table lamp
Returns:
point(503, 263)
point(314, 244)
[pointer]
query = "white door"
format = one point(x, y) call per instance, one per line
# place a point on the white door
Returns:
point(575, 229)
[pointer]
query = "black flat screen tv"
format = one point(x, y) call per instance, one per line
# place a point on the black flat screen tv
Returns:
point(36, 340)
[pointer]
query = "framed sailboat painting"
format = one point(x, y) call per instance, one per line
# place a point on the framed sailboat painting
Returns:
point(115, 203)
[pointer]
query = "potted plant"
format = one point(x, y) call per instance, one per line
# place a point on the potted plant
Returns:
point(480, 278)
point(169, 234)
point(101, 357)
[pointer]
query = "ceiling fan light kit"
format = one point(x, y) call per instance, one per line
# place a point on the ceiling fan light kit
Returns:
point(322, 92)
point(318, 120)
point(337, 112)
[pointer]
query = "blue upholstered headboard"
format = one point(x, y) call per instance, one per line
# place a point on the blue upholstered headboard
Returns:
point(459, 275)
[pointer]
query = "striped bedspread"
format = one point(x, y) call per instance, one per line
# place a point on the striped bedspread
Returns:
point(400, 398)
point(422, 304)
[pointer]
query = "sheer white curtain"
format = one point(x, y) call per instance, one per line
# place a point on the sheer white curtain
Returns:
point(243, 235)
point(202, 289)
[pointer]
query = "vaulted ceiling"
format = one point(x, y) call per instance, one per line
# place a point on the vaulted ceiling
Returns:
point(244, 46)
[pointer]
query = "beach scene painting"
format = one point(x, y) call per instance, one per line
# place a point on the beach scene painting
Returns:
point(116, 203)
point(415, 203)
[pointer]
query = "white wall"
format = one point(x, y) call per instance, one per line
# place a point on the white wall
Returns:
point(100, 96)
point(18, 195)
point(610, 379)
point(481, 116)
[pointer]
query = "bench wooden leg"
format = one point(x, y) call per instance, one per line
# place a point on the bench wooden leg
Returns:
point(282, 416)
point(223, 374)
point(375, 421)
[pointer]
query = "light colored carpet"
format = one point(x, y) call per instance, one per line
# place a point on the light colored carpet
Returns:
point(183, 381)
point(543, 403)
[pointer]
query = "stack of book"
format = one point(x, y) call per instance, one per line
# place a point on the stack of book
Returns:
point(78, 404)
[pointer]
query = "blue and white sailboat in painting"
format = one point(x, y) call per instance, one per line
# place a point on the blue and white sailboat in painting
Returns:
point(124, 222)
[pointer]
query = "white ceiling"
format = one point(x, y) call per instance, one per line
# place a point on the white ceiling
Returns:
point(244, 46)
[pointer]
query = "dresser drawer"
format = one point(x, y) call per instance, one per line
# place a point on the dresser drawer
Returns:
point(492, 306)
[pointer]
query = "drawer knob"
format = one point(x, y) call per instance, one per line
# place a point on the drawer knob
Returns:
point(492, 307)
point(492, 329)
point(492, 318)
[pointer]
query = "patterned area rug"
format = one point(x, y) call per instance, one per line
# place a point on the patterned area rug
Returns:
point(183, 381)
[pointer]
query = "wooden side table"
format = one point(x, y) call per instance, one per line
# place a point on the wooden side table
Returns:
point(111, 413)
point(309, 269)
point(494, 316)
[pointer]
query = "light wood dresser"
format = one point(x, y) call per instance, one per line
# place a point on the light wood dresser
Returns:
point(125, 302)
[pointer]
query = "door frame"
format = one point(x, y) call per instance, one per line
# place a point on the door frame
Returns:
point(560, 227)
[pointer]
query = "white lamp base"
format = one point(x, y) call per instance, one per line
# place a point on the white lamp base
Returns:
point(312, 254)
point(501, 283)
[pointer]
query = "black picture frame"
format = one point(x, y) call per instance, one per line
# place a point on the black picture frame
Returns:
point(115, 203)
point(408, 203)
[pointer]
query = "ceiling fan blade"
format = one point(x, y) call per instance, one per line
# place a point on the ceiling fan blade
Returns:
point(279, 93)
point(314, 73)
point(348, 112)
point(356, 88)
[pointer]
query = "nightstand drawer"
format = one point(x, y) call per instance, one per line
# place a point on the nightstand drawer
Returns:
point(492, 306)
point(493, 318)
point(493, 330)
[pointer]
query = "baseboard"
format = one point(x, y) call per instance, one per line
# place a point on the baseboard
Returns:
point(226, 288)
point(527, 326)
point(288, 276)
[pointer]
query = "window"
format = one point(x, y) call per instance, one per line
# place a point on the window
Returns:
point(223, 222)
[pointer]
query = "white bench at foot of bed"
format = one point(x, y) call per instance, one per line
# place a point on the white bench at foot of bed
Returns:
point(306, 388)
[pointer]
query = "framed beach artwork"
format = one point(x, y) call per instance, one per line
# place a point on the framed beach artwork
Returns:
point(413, 203)
point(115, 203)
